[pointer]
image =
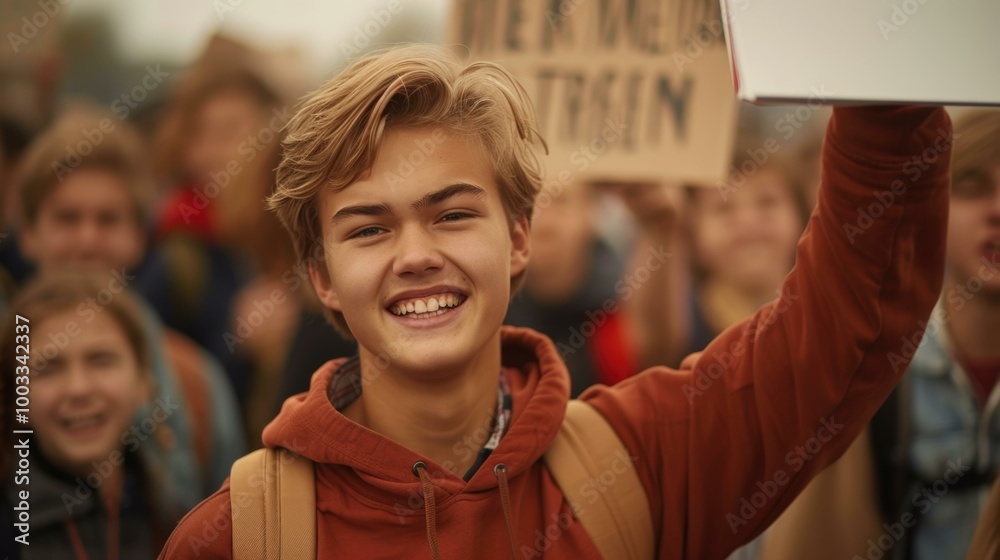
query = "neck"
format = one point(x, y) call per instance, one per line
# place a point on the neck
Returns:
point(974, 324)
point(446, 419)
point(726, 304)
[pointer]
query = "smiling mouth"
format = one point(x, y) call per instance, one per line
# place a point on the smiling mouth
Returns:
point(427, 306)
point(82, 422)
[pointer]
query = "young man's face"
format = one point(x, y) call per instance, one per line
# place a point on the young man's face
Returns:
point(420, 252)
point(974, 228)
point(84, 398)
point(86, 222)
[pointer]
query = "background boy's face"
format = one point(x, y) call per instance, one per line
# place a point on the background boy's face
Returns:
point(748, 237)
point(420, 227)
point(974, 227)
point(85, 397)
point(86, 222)
point(563, 230)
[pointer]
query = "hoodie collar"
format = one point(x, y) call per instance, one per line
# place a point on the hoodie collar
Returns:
point(539, 383)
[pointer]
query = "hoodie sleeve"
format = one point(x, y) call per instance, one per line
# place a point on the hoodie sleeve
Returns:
point(724, 444)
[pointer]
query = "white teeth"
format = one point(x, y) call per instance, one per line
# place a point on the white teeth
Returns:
point(424, 308)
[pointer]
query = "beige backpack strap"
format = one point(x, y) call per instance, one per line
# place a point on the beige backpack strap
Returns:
point(272, 493)
point(986, 540)
point(585, 453)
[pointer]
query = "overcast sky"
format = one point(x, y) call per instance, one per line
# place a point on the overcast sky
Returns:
point(176, 30)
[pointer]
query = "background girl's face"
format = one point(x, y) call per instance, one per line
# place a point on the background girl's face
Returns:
point(748, 236)
point(974, 228)
point(85, 396)
point(223, 134)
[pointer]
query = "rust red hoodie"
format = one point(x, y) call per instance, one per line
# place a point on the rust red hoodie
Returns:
point(723, 445)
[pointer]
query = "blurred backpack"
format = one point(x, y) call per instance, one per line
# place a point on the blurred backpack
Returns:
point(280, 521)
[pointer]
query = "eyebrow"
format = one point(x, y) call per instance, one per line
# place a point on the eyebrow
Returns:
point(429, 199)
point(450, 191)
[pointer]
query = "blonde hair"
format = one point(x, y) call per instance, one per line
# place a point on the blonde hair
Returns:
point(334, 138)
point(84, 138)
point(977, 141)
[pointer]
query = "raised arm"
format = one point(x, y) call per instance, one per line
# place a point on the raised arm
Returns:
point(726, 443)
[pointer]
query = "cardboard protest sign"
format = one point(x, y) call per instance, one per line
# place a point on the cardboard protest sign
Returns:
point(867, 51)
point(624, 89)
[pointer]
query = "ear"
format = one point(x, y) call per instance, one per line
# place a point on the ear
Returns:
point(320, 279)
point(520, 245)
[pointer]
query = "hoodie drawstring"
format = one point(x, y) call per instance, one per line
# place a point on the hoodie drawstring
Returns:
point(420, 469)
point(500, 470)
point(430, 508)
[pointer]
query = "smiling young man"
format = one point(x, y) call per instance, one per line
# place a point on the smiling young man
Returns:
point(417, 176)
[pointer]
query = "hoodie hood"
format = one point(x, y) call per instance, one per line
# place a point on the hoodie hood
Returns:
point(309, 425)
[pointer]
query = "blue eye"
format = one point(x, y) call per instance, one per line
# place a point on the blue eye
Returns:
point(367, 232)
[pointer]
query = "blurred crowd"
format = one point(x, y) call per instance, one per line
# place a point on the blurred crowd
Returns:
point(169, 316)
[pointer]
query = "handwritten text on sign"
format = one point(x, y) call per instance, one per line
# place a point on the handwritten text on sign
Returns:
point(647, 81)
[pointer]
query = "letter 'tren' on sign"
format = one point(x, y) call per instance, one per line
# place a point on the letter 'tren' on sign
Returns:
point(624, 89)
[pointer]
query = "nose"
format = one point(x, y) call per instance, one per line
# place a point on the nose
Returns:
point(89, 235)
point(416, 252)
point(995, 206)
point(77, 384)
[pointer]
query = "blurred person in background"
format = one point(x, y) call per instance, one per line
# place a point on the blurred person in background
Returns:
point(95, 486)
point(221, 118)
point(15, 136)
point(741, 241)
point(924, 468)
point(574, 271)
point(578, 290)
point(280, 351)
point(86, 212)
